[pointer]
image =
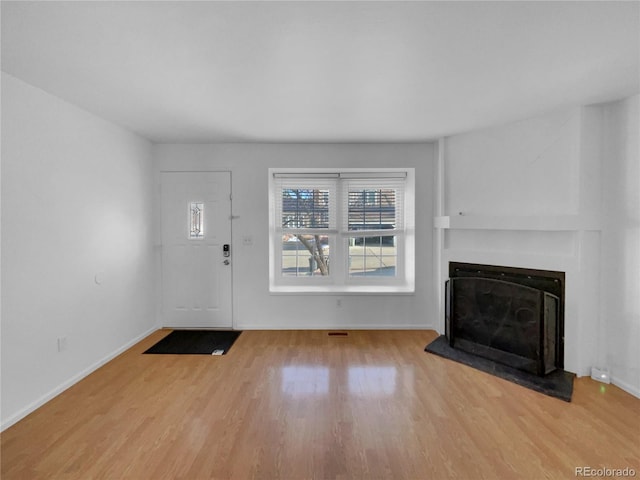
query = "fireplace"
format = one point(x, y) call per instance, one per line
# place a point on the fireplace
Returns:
point(513, 316)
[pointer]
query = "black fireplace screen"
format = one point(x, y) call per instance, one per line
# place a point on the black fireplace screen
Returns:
point(512, 316)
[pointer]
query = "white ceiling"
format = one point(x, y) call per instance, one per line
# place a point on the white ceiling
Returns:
point(177, 71)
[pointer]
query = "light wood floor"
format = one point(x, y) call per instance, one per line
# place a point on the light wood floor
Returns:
point(302, 404)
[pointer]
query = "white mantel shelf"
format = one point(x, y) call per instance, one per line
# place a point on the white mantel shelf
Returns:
point(547, 223)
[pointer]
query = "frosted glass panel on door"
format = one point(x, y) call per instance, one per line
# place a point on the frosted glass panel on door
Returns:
point(196, 220)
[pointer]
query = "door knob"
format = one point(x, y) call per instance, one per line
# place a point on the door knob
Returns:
point(226, 262)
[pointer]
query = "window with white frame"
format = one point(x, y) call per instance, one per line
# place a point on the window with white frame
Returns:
point(341, 231)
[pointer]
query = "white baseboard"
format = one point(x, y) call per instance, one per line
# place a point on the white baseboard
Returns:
point(249, 326)
point(580, 372)
point(72, 381)
point(627, 387)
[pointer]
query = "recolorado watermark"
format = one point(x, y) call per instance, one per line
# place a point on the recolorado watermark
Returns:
point(605, 472)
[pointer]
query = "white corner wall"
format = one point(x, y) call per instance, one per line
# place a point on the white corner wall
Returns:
point(253, 306)
point(555, 192)
point(621, 242)
point(527, 195)
point(77, 246)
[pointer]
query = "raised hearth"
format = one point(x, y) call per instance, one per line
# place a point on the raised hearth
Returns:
point(510, 317)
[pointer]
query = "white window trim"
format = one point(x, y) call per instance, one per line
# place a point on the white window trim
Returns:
point(339, 281)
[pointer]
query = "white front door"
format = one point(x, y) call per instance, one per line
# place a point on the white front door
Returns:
point(196, 225)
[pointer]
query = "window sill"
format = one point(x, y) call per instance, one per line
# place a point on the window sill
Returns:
point(346, 290)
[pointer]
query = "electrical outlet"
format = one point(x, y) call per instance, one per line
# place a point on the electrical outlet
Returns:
point(600, 374)
point(62, 344)
point(339, 303)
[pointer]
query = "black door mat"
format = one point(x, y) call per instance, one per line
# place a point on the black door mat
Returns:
point(196, 342)
point(558, 384)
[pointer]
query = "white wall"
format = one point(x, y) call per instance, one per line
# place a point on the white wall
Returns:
point(556, 192)
point(77, 244)
point(253, 306)
point(621, 242)
point(524, 168)
point(502, 187)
